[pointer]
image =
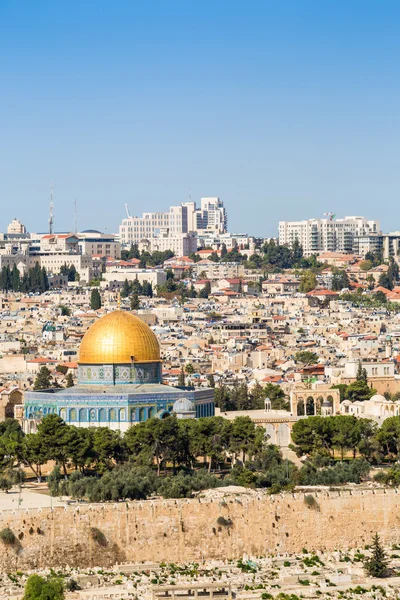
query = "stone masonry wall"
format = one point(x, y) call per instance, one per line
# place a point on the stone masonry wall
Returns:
point(185, 530)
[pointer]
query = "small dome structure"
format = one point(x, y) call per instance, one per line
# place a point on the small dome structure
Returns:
point(184, 409)
point(378, 398)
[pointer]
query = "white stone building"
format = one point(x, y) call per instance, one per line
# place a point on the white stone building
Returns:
point(326, 235)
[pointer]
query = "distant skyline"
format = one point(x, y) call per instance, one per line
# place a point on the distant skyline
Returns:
point(285, 110)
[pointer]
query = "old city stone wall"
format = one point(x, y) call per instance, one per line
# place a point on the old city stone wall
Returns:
point(184, 530)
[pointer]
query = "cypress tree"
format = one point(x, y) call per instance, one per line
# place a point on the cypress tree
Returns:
point(126, 290)
point(95, 299)
point(181, 379)
point(135, 302)
point(15, 279)
point(377, 564)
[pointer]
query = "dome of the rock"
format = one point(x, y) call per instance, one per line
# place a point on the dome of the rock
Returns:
point(119, 338)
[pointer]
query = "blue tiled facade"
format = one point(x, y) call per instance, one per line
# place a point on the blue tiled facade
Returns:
point(117, 405)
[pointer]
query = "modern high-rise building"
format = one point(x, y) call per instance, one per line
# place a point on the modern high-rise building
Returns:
point(326, 235)
point(180, 219)
point(16, 228)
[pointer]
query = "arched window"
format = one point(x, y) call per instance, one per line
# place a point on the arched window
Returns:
point(113, 414)
point(72, 414)
point(102, 415)
point(300, 407)
point(141, 414)
point(82, 415)
point(152, 412)
point(310, 406)
point(122, 414)
point(63, 414)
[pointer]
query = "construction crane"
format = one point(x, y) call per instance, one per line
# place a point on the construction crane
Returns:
point(127, 211)
point(330, 215)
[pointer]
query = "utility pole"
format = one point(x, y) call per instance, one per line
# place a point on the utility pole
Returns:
point(75, 218)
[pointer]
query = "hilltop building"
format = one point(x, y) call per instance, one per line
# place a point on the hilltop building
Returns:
point(326, 235)
point(183, 219)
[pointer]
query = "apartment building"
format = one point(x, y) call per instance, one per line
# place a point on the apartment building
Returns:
point(181, 244)
point(326, 235)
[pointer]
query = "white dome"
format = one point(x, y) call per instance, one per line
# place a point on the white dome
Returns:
point(378, 398)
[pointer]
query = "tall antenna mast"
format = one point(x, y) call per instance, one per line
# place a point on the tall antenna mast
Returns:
point(75, 218)
point(51, 215)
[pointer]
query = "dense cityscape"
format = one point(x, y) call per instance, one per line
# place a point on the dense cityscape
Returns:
point(175, 359)
point(199, 300)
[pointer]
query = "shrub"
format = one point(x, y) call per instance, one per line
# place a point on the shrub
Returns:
point(72, 585)
point(50, 588)
point(224, 522)
point(5, 484)
point(7, 537)
point(311, 502)
point(98, 536)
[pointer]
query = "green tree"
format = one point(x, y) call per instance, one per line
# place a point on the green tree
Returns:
point(377, 564)
point(389, 436)
point(306, 357)
point(5, 484)
point(245, 437)
point(95, 299)
point(107, 447)
point(206, 290)
point(5, 279)
point(308, 282)
point(69, 382)
point(277, 396)
point(346, 433)
point(133, 252)
point(380, 297)
point(297, 252)
point(15, 279)
point(43, 379)
point(189, 369)
point(340, 280)
point(211, 380)
point(126, 289)
point(359, 390)
point(42, 588)
point(313, 435)
point(181, 378)
point(366, 265)
point(361, 373)
point(55, 437)
point(386, 281)
point(135, 302)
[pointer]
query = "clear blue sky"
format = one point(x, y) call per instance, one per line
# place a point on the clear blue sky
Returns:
point(284, 109)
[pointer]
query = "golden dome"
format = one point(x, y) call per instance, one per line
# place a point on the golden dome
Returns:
point(115, 338)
